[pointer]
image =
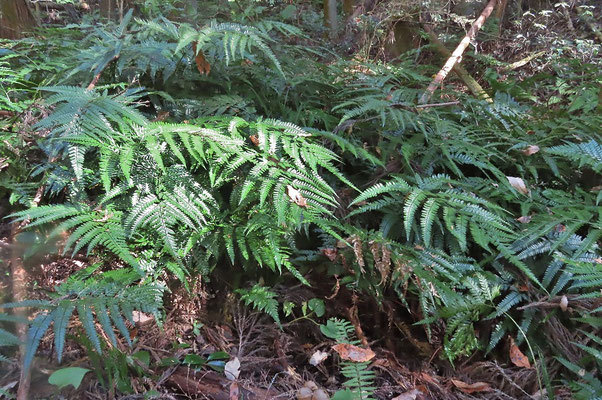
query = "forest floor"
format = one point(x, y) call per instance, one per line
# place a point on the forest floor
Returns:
point(274, 362)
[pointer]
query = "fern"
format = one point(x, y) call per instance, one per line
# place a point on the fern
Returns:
point(262, 299)
point(459, 210)
point(111, 297)
point(589, 153)
point(360, 380)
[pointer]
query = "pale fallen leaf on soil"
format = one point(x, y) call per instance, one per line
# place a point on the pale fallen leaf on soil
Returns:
point(409, 395)
point(518, 184)
point(304, 393)
point(517, 357)
point(318, 357)
point(532, 149)
point(232, 369)
point(469, 388)
point(564, 303)
point(296, 196)
point(141, 318)
point(353, 353)
point(525, 219)
point(320, 394)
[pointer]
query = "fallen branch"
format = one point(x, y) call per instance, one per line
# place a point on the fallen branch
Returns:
point(457, 54)
point(470, 82)
point(524, 61)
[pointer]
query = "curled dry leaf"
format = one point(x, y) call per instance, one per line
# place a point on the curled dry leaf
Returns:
point(353, 353)
point(318, 357)
point(469, 388)
point(525, 219)
point(296, 196)
point(518, 184)
point(517, 357)
point(532, 149)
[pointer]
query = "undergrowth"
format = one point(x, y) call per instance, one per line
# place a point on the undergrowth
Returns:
point(233, 144)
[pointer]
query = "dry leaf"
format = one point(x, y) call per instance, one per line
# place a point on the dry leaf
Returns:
point(353, 353)
point(304, 393)
point(518, 184)
point(201, 63)
point(232, 369)
point(525, 219)
point(517, 357)
point(532, 149)
point(296, 196)
point(409, 395)
point(469, 388)
point(141, 318)
point(330, 253)
point(320, 394)
point(564, 302)
point(234, 391)
point(254, 139)
point(318, 357)
point(522, 288)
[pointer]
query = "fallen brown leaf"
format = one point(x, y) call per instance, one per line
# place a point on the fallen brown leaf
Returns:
point(330, 253)
point(254, 139)
point(518, 184)
point(234, 391)
point(409, 395)
point(532, 149)
point(201, 63)
point(296, 196)
point(469, 388)
point(517, 357)
point(353, 353)
point(525, 219)
point(318, 357)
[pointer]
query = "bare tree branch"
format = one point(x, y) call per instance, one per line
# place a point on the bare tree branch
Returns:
point(457, 54)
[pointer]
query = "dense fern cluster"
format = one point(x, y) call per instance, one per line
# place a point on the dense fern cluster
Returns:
point(248, 153)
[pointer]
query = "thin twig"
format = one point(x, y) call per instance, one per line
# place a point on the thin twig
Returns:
point(448, 103)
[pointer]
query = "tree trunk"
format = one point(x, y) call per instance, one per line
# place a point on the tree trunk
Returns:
point(330, 16)
point(15, 18)
point(348, 8)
